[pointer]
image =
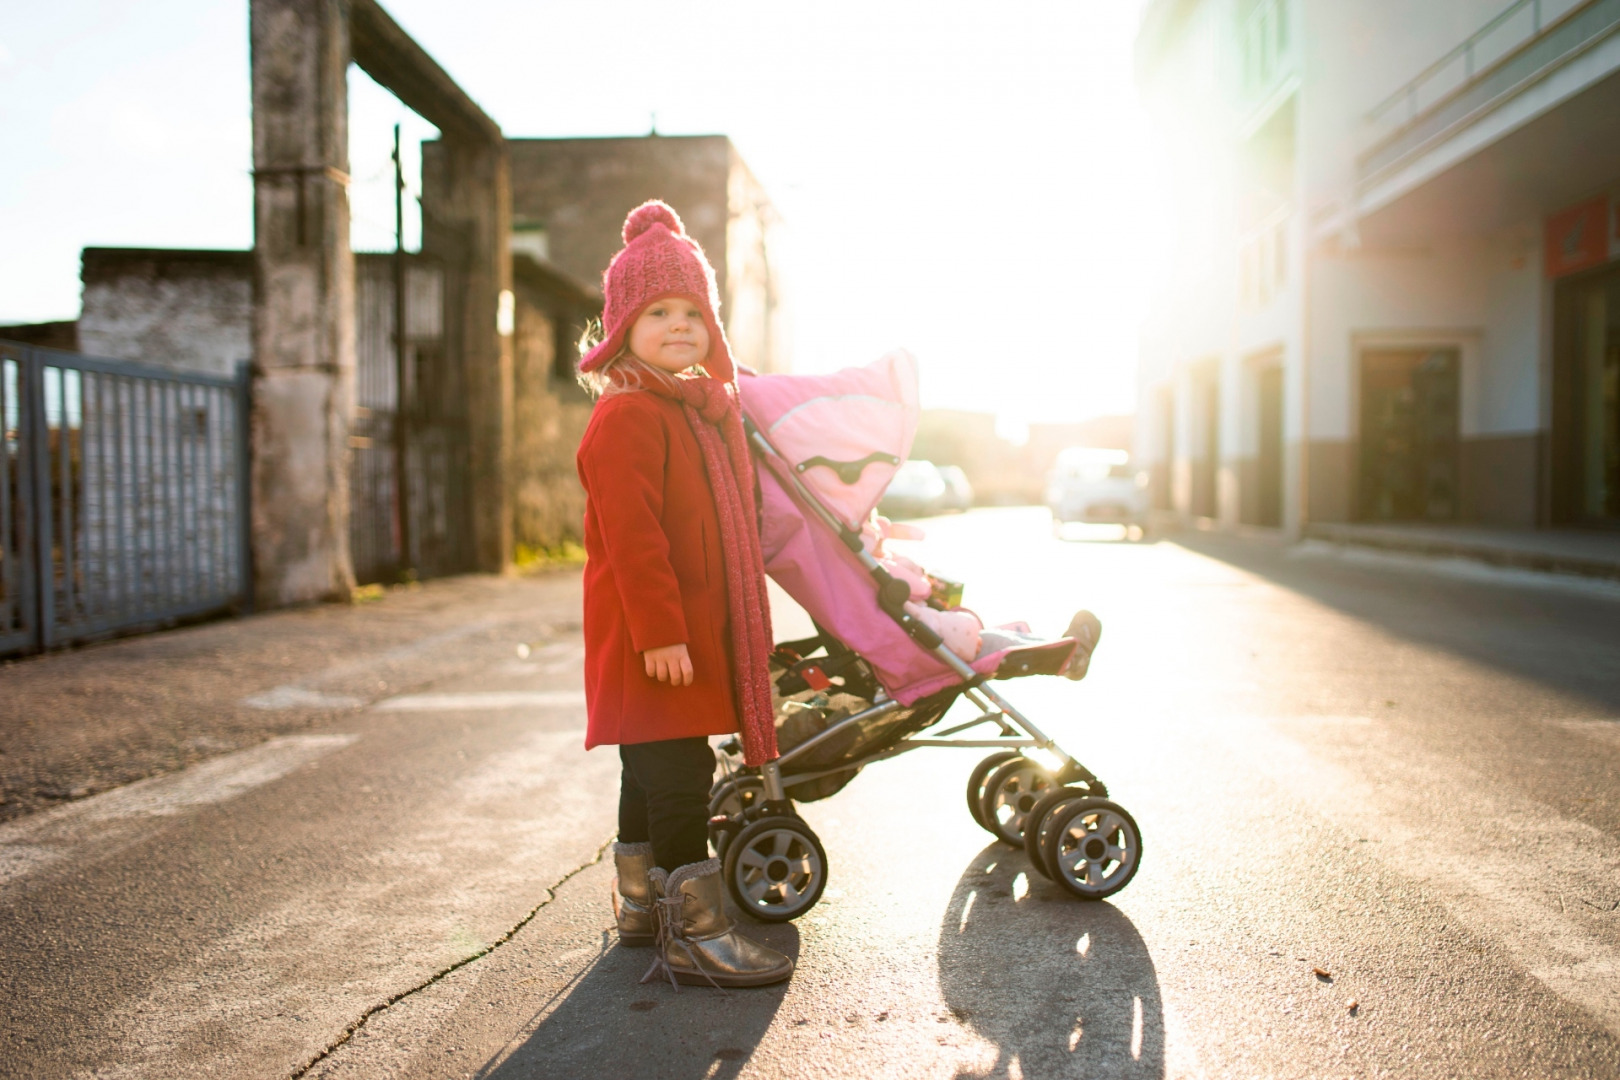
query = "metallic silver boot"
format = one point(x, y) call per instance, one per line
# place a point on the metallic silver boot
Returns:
point(632, 895)
point(697, 942)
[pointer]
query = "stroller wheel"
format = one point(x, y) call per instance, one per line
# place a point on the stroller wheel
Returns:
point(734, 795)
point(1093, 847)
point(776, 868)
point(731, 797)
point(1040, 821)
point(975, 785)
point(1010, 794)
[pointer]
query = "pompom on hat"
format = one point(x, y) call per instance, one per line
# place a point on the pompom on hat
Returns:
point(658, 260)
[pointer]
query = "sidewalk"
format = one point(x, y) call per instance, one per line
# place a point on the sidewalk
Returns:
point(86, 720)
point(1584, 552)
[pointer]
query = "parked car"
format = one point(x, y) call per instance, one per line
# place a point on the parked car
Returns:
point(1096, 486)
point(958, 492)
point(917, 490)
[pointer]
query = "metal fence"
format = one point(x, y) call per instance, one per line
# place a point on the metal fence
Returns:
point(124, 502)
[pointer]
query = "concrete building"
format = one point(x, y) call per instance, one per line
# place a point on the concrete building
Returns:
point(570, 196)
point(1394, 294)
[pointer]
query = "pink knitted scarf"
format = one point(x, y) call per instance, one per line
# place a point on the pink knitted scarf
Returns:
point(711, 409)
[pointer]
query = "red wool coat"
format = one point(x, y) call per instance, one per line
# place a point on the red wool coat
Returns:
point(654, 575)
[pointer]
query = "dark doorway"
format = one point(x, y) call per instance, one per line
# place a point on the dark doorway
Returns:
point(1164, 470)
point(1586, 401)
point(1271, 445)
point(1206, 441)
point(1409, 434)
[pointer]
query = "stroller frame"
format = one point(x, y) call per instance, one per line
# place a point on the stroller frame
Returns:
point(1061, 806)
point(892, 595)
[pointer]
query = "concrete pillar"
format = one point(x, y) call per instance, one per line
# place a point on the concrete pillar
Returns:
point(303, 326)
point(467, 220)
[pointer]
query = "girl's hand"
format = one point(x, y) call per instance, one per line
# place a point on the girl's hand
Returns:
point(671, 664)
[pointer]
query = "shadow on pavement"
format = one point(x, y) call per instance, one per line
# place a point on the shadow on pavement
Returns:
point(1062, 987)
point(1560, 638)
point(603, 1024)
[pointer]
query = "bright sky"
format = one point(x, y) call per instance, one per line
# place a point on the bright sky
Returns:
point(971, 181)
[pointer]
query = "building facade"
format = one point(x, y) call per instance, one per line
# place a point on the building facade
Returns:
point(1395, 290)
point(570, 196)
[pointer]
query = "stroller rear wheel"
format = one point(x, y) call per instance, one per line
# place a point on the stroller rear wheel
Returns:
point(732, 795)
point(1039, 824)
point(776, 868)
point(975, 785)
point(1094, 848)
point(735, 794)
point(1010, 794)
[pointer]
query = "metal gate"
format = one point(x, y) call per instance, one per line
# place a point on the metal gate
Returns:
point(428, 534)
point(124, 502)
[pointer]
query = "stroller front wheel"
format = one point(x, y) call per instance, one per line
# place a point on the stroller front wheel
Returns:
point(775, 868)
point(1095, 848)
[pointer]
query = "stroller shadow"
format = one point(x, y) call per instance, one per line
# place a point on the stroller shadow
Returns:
point(1061, 986)
point(606, 1025)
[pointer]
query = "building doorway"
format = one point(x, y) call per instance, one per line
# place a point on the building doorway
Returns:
point(1270, 388)
point(1206, 441)
point(1586, 401)
point(1164, 469)
point(1409, 421)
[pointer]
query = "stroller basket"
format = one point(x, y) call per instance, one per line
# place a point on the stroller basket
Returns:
point(875, 681)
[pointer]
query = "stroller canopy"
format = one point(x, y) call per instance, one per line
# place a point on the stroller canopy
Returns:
point(844, 434)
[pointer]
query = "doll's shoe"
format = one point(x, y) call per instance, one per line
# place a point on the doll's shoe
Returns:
point(632, 895)
point(697, 941)
point(1086, 629)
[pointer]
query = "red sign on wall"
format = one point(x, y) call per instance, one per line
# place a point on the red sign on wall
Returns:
point(1578, 238)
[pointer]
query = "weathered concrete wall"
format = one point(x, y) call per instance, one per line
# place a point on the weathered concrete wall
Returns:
point(303, 333)
point(63, 334)
point(578, 191)
point(181, 309)
point(549, 420)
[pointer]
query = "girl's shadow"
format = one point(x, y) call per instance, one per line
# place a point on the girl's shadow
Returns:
point(607, 1026)
point(1064, 986)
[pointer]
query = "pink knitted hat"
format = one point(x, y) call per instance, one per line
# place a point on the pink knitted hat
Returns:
point(658, 260)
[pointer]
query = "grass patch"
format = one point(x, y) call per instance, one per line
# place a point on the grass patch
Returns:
point(535, 559)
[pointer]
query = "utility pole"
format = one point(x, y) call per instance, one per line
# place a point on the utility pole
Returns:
point(402, 478)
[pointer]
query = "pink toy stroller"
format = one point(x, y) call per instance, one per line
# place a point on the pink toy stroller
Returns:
point(875, 680)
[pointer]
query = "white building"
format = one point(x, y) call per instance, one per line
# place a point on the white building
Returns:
point(1395, 293)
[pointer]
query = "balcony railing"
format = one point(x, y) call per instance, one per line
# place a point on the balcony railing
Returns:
point(1524, 41)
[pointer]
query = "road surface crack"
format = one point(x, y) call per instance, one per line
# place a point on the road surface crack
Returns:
point(349, 1032)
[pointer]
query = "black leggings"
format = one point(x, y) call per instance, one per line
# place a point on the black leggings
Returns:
point(664, 798)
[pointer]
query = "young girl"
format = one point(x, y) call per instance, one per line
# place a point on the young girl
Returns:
point(677, 625)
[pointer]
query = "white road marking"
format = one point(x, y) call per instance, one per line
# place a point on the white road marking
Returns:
point(486, 701)
point(304, 695)
point(53, 835)
point(296, 697)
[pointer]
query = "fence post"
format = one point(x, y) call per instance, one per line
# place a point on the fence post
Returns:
point(36, 435)
point(244, 482)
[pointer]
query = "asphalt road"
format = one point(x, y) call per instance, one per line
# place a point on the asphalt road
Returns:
point(1399, 772)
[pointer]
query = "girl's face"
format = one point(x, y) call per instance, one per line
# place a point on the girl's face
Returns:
point(670, 335)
